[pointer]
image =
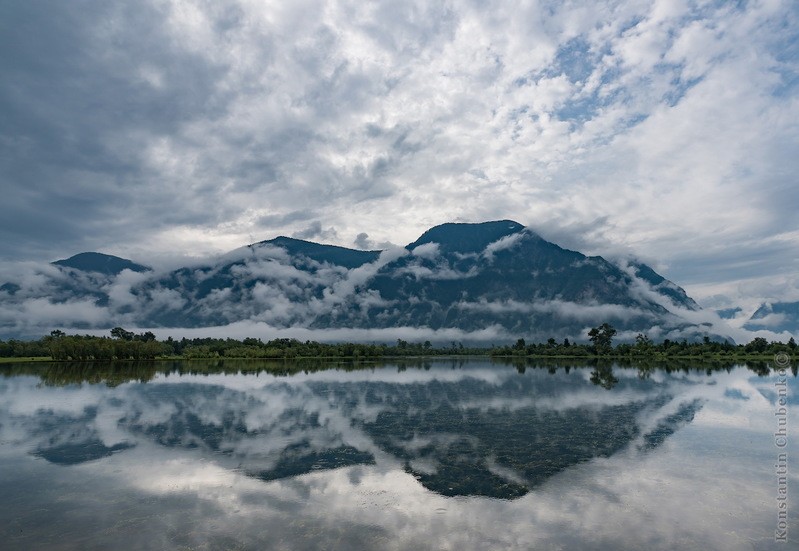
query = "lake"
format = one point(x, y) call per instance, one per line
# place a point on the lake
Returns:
point(439, 454)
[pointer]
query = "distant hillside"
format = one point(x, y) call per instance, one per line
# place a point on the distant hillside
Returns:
point(496, 279)
point(776, 316)
point(101, 263)
point(729, 313)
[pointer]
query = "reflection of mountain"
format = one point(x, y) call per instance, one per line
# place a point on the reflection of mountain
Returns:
point(473, 451)
point(459, 432)
point(669, 425)
point(71, 440)
point(302, 459)
point(74, 453)
point(455, 446)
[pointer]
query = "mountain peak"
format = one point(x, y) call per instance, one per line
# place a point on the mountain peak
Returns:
point(775, 316)
point(102, 263)
point(495, 278)
point(466, 237)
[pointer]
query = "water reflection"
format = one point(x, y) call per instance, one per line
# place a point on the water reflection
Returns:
point(473, 429)
point(464, 435)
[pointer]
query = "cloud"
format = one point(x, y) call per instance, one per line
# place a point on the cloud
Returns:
point(119, 291)
point(292, 295)
point(42, 312)
point(560, 308)
point(349, 285)
point(315, 231)
point(196, 482)
point(503, 243)
point(771, 320)
point(427, 251)
point(363, 242)
point(279, 221)
point(265, 331)
point(159, 129)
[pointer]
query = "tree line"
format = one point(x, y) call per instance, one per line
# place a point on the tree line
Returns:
point(127, 345)
point(601, 345)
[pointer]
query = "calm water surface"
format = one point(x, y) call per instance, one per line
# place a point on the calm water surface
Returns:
point(442, 455)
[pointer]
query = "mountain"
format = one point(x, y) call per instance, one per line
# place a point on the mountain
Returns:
point(474, 276)
point(467, 238)
point(101, 263)
point(495, 280)
point(729, 313)
point(80, 292)
point(339, 256)
point(775, 316)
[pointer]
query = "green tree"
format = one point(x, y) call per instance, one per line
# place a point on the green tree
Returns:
point(121, 334)
point(758, 345)
point(643, 344)
point(602, 337)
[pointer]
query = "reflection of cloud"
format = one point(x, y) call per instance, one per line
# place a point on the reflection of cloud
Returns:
point(291, 425)
point(626, 501)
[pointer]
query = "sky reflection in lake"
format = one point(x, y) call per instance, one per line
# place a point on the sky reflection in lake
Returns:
point(471, 456)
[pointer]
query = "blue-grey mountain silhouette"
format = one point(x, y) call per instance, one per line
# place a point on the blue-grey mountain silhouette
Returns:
point(498, 278)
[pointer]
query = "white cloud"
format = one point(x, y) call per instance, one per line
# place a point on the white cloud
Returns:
point(502, 244)
point(608, 498)
point(42, 312)
point(563, 309)
point(428, 251)
point(119, 291)
point(667, 127)
point(240, 330)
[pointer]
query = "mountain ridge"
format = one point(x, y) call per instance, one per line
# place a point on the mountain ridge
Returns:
point(495, 277)
point(467, 237)
point(100, 263)
point(776, 316)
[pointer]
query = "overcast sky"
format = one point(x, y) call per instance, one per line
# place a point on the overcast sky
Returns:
point(159, 129)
